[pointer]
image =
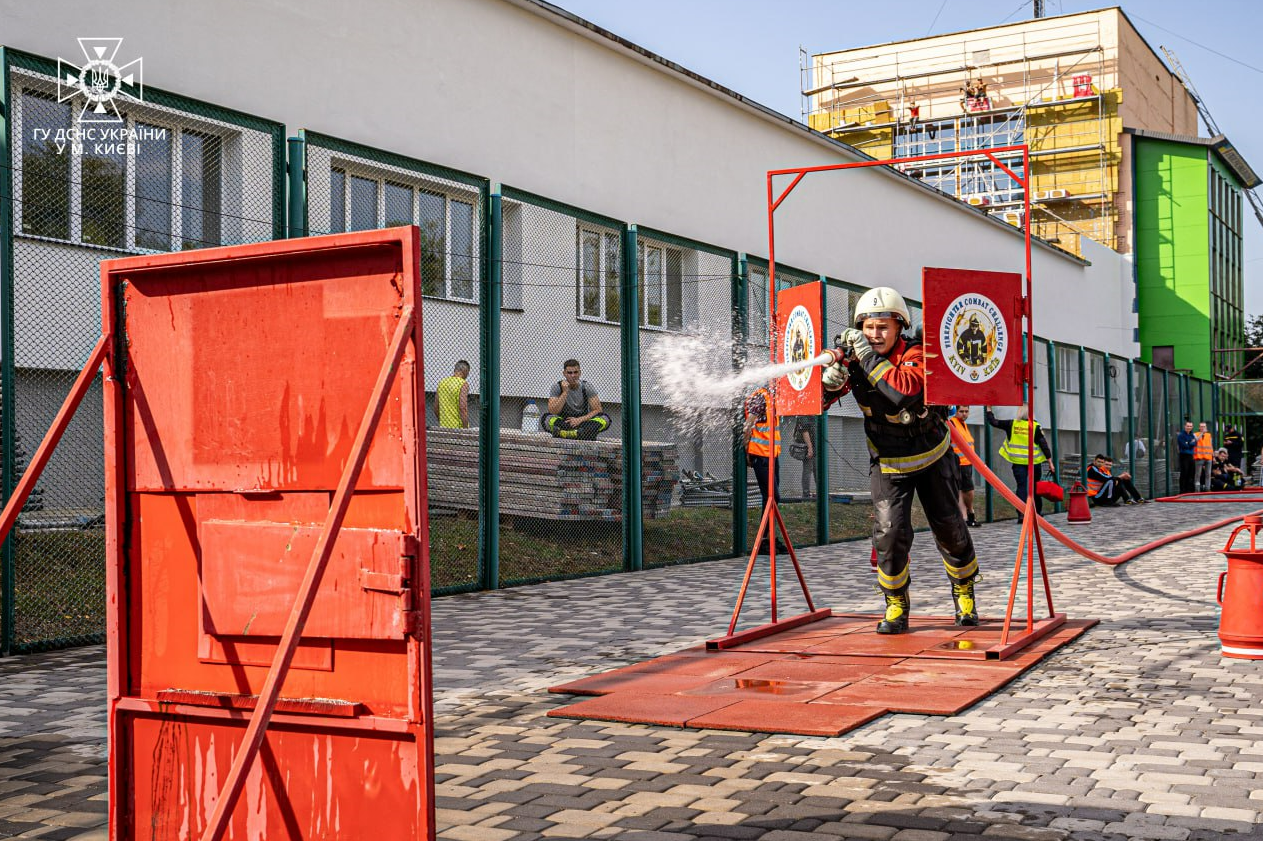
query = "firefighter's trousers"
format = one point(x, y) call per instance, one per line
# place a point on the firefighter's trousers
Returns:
point(938, 488)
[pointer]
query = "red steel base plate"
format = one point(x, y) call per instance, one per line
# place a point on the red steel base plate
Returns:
point(821, 679)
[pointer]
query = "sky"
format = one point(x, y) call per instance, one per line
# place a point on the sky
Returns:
point(752, 46)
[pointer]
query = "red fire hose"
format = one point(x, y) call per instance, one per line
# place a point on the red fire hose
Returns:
point(1110, 560)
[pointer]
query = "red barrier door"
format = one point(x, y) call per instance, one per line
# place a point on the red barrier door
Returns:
point(263, 444)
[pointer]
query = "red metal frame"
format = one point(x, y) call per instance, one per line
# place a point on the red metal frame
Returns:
point(269, 720)
point(1029, 545)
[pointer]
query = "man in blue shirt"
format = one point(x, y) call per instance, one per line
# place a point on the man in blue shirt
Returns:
point(1187, 443)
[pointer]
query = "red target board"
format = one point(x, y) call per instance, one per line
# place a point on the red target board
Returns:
point(799, 337)
point(973, 340)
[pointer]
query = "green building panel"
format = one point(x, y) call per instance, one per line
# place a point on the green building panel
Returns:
point(1173, 251)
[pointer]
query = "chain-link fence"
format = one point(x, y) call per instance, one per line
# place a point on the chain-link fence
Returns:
point(152, 174)
point(1145, 451)
point(1175, 419)
point(562, 464)
point(351, 187)
point(686, 288)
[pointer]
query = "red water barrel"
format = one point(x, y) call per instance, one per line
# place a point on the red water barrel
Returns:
point(1241, 596)
point(1080, 511)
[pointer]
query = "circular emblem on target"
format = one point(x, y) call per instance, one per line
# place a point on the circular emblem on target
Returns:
point(973, 338)
point(799, 345)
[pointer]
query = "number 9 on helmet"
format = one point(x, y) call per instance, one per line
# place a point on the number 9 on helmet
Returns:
point(881, 302)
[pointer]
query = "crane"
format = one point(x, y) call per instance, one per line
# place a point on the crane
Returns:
point(1211, 125)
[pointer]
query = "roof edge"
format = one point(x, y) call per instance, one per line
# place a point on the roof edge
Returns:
point(1219, 144)
point(593, 32)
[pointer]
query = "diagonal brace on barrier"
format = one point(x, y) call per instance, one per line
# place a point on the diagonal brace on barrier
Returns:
point(306, 596)
point(51, 438)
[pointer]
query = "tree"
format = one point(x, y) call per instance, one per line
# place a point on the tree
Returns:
point(1253, 338)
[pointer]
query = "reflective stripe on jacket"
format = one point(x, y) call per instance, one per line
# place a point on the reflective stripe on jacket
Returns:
point(761, 438)
point(963, 430)
point(1013, 450)
point(1097, 478)
point(1203, 451)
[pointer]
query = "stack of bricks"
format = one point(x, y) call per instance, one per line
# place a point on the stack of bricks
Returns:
point(549, 478)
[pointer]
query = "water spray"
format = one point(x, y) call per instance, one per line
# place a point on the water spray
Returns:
point(699, 386)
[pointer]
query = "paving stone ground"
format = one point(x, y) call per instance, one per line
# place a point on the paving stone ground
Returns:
point(1139, 730)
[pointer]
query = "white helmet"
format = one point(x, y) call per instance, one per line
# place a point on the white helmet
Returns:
point(881, 302)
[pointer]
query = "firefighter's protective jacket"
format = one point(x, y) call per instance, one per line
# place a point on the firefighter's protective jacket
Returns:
point(904, 435)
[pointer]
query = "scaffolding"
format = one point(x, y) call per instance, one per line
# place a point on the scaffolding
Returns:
point(1054, 89)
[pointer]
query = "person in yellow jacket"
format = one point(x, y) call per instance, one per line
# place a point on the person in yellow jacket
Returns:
point(959, 422)
point(1020, 431)
point(452, 397)
point(1203, 458)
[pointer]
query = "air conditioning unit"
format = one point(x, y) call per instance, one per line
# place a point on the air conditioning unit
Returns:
point(978, 201)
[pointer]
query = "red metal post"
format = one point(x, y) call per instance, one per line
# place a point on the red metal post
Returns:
point(45, 451)
point(253, 739)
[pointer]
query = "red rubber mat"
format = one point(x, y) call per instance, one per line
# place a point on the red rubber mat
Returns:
point(817, 680)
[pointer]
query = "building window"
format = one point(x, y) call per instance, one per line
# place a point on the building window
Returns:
point(114, 193)
point(154, 208)
point(661, 272)
point(361, 201)
point(967, 178)
point(759, 308)
point(199, 194)
point(1097, 373)
point(600, 274)
point(1068, 370)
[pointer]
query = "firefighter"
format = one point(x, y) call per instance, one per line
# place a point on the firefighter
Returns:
point(971, 344)
point(909, 452)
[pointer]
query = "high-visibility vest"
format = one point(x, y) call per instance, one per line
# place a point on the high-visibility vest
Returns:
point(963, 429)
point(1203, 451)
point(762, 437)
point(1014, 449)
point(447, 395)
point(1094, 484)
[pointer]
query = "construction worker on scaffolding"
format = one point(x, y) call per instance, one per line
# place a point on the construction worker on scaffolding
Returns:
point(909, 452)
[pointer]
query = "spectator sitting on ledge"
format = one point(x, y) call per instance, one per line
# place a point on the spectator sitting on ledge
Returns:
point(574, 410)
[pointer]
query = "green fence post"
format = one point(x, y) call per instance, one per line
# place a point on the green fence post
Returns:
point(1166, 425)
point(1131, 418)
point(1186, 399)
point(629, 315)
point(1153, 480)
point(822, 434)
point(1109, 410)
point(1214, 406)
point(1052, 415)
point(740, 326)
point(490, 297)
point(989, 508)
point(8, 425)
point(296, 167)
point(1084, 385)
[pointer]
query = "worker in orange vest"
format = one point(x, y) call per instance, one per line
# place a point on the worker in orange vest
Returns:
point(763, 449)
point(959, 422)
point(1203, 458)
